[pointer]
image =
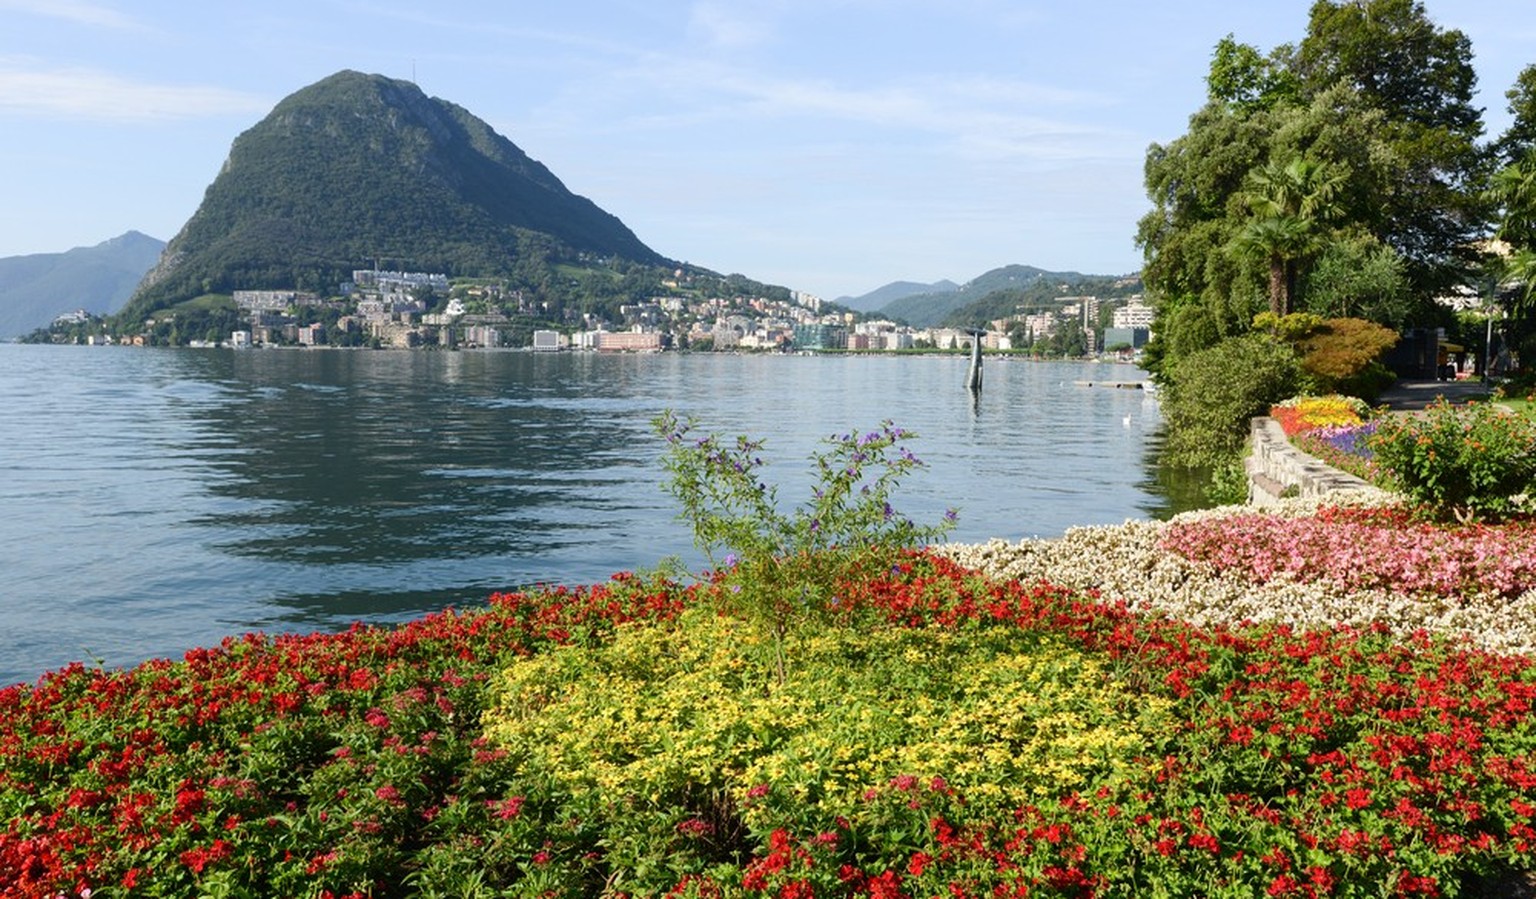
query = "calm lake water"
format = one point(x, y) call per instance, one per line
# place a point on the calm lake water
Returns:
point(156, 500)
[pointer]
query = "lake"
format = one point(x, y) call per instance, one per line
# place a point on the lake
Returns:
point(156, 500)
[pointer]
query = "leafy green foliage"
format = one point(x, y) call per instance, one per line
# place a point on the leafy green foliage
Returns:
point(1476, 461)
point(1376, 101)
point(1291, 203)
point(1243, 78)
point(783, 568)
point(1215, 392)
point(1520, 137)
point(1359, 277)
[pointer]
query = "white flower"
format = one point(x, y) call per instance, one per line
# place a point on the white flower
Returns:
point(1125, 563)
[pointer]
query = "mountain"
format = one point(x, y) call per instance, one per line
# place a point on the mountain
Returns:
point(37, 288)
point(360, 169)
point(926, 309)
point(1008, 291)
point(881, 297)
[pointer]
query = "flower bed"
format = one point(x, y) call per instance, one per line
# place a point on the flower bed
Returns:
point(1128, 562)
point(1345, 447)
point(1356, 550)
point(624, 739)
point(1303, 413)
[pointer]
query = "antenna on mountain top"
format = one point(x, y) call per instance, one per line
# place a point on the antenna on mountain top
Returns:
point(413, 72)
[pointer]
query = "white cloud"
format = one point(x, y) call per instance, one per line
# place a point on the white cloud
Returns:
point(724, 26)
point(102, 96)
point(983, 117)
point(77, 11)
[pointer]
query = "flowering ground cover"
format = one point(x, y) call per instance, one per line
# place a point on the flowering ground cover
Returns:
point(1345, 447)
point(1362, 549)
point(1475, 461)
point(1303, 413)
point(949, 729)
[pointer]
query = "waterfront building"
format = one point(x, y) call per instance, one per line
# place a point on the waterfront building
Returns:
point(1134, 314)
point(819, 336)
point(628, 342)
point(1135, 338)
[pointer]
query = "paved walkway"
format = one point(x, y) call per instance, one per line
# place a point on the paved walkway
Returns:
point(1414, 395)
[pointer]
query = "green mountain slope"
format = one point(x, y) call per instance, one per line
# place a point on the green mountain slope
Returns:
point(926, 309)
point(995, 294)
point(361, 168)
point(37, 288)
point(1043, 292)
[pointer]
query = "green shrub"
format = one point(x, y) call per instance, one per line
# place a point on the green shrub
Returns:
point(1344, 356)
point(1476, 461)
point(1213, 393)
point(1338, 355)
point(784, 568)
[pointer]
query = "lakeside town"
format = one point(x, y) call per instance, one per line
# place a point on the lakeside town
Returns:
point(406, 310)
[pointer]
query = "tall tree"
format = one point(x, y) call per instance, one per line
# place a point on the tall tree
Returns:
point(1244, 79)
point(1291, 202)
point(1520, 137)
point(1512, 193)
point(1421, 79)
point(1379, 97)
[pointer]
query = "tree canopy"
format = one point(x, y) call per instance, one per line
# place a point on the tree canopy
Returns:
point(1341, 175)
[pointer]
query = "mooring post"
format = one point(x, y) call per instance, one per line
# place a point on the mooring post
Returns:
point(973, 378)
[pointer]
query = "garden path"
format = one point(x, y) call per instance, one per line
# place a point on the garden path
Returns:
point(1407, 396)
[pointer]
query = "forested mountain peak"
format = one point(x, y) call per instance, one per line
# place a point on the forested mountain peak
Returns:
point(359, 168)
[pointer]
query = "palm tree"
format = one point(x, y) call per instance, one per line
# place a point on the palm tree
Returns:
point(1514, 190)
point(1290, 204)
point(1279, 242)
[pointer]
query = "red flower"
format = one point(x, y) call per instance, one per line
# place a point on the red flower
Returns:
point(389, 794)
point(201, 857)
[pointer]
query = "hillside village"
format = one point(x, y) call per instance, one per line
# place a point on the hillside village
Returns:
point(406, 310)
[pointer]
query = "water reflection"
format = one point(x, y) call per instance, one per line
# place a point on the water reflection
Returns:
point(158, 500)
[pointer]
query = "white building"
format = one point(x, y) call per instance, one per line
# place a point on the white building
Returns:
point(264, 300)
point(1134, 314)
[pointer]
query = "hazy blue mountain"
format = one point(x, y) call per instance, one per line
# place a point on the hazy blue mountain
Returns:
point(357, 168)
point(36, 289)
point(881, 297)
point(933, 307)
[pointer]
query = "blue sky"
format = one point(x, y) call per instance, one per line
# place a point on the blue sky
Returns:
point(831, 146)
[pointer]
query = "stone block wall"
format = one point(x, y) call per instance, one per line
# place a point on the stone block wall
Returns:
point(1276, 469)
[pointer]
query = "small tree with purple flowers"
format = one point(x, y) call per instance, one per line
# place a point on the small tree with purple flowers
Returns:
point(783, 569)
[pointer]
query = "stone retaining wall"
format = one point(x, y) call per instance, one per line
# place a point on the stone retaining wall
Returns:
point(1276, 469)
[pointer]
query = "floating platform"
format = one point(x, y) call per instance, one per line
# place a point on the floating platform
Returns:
point(1118, 385)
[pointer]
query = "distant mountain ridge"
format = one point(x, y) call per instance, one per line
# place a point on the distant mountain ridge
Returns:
point(970, 303)
point(881, 297)
point(37, 288)
point(357, 168)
